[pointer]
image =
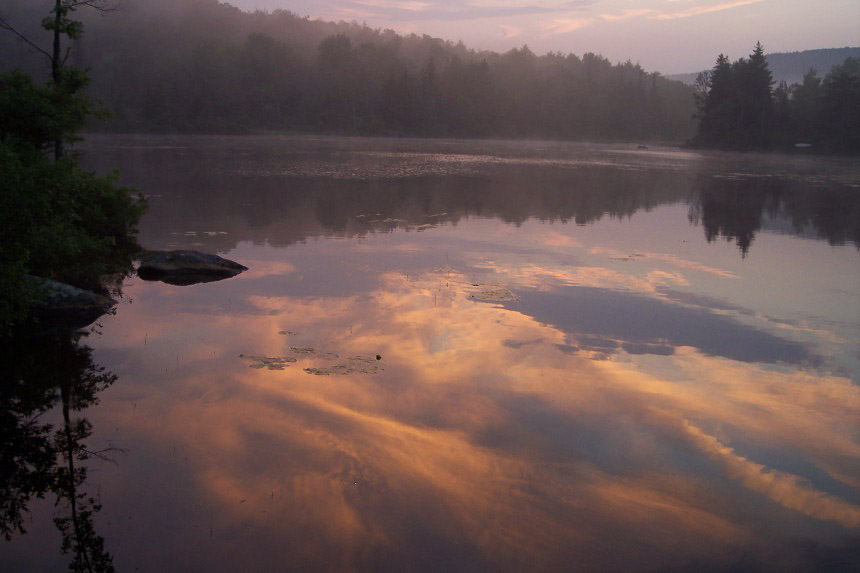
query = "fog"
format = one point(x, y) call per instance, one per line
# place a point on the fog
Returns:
point(203, 66)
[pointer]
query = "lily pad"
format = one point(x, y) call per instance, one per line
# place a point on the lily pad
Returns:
point(493, 294)
point(337, 369)
point(268, 362)
point(353, 365)
point(308, 351)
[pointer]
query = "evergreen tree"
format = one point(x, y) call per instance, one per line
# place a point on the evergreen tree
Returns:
point(736, 112)
point(755, 96)
point(718, 112)
point(840, 107)
point(783, 116)
point(805, 104)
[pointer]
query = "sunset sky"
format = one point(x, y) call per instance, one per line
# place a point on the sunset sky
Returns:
point(669, 36)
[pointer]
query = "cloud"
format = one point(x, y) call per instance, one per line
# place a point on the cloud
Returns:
point(510, 31)
point(705, 9)
point(664, 257)
point(783, 488)
point(565, 25)
point(479, 433)
point(628, 14)
point(391, 5)
point(450, 10)
point(599, 313)
point(675, 13)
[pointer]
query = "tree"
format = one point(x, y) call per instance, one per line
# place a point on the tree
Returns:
point(755, 96)
point(206, 66)
point(783, 116)
point(805, 104)
point(840, 107)
point(717, 105)
point(37, 457)
point(57, 221)
point(66, 82)
point(735, 103)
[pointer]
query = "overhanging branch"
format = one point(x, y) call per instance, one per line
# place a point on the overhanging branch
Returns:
point(4, 25)
point(100, 5)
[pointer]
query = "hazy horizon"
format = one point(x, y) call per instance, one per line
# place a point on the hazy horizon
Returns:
point(669, 36)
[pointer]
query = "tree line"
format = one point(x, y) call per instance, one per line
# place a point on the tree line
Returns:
point(204, 66)
point(738, 107)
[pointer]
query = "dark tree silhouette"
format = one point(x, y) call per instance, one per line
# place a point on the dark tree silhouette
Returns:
point(66, 82)
point(738, 108)
point(42, 372)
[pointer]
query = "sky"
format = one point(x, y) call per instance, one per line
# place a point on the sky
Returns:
point(669, 36)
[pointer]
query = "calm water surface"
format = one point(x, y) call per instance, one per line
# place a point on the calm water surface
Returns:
point(455, 355)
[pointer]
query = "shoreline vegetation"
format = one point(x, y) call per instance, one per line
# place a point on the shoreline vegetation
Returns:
point(738, 108)
point(67, 240)
point(58, 222)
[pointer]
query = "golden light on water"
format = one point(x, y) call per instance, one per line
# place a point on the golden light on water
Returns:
point(480, 423)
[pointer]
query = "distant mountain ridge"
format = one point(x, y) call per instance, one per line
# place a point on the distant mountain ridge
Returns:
point(790, 67)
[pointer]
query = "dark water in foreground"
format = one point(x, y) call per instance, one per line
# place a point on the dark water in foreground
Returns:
point(589, 358)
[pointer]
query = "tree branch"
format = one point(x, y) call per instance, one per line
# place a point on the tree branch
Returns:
point(100, 5)
point(104, 455)
point(4, 25)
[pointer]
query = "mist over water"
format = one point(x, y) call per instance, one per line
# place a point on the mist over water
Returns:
point(494, 355)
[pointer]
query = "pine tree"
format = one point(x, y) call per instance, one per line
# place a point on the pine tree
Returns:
point(736, 111)
point(718, 108)
point(840, 107)
point(755, 95)
point(805, 103)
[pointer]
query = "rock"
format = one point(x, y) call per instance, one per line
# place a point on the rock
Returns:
point(61, 305)
point(186, 267)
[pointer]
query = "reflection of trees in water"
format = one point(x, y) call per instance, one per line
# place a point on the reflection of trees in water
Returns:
point(737, 209)
point(733, 209)
point(283, 210)
point(40, 459)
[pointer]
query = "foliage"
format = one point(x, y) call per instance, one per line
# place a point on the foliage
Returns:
point(738, 108)
point(204, 66)
point(37, 458)
point(56, 220)
point(33, 116)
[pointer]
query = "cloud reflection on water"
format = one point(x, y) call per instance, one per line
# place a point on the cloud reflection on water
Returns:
point(482, 442)
point(643, 399)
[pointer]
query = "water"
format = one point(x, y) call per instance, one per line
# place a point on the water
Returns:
point(453, 355)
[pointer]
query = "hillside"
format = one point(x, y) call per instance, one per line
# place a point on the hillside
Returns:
point(790, 67)
point(206, 66)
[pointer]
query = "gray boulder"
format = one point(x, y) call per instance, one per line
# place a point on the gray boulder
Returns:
point(186, 267)
point(57, 304)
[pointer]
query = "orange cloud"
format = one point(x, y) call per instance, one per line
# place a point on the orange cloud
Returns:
point(479, 430)
point(565, 25)
point(705, 9)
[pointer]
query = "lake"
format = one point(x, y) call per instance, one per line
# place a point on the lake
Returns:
point(474, 355)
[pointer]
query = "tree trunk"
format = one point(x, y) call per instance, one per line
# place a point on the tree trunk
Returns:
point(56, 65)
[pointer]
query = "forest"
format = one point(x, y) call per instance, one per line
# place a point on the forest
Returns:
point(738, 107)
point(205, 66)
